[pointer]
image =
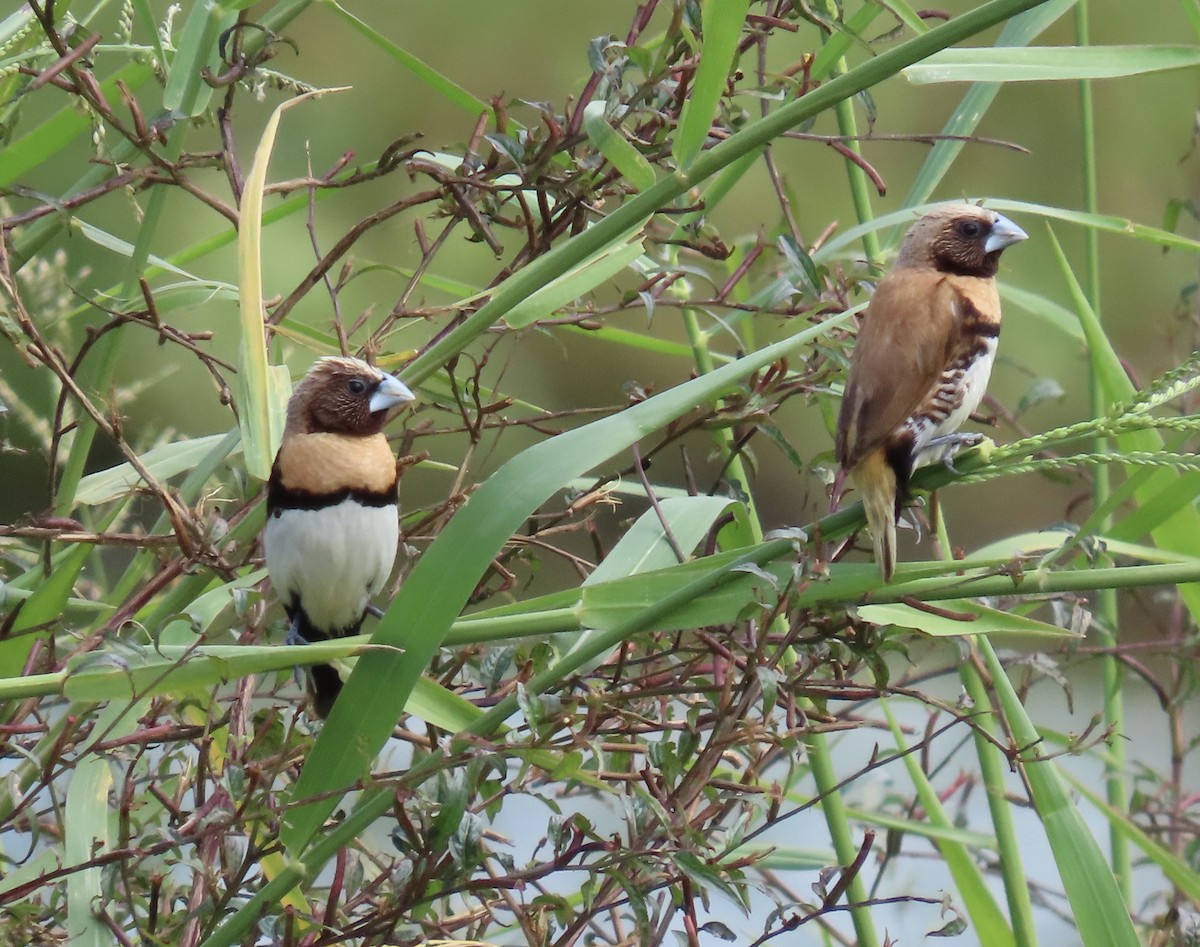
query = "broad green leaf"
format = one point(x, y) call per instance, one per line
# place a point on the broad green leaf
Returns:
point(1049, 63)
point(721, 22)
point(977, 620)
point(582, 279)
point(645, 547)
point(612, 144)
point(162, 462)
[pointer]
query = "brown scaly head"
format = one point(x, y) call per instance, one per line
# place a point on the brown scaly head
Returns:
point(344, 396)
point(961, 239)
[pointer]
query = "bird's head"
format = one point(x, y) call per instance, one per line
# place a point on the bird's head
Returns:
point(345, 396)
point(963, 239)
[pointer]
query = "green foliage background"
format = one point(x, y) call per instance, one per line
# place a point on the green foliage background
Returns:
point(669, 685)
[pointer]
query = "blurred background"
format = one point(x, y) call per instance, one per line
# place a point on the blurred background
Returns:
point(529, 51)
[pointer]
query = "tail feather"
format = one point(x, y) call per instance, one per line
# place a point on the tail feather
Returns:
point(324, 685)
point(876, 482)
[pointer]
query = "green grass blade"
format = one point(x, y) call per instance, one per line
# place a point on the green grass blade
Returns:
point(1180, 532)
point(186, 91)
point(1092, 891)
point(1019, 31)
point(263, 388)
point(451, 91)
point(1050, 63)
point(645, 547)
point(87, 836)
point(614, 146)
point(579, 281)
point(991, 926)
point(721, 21)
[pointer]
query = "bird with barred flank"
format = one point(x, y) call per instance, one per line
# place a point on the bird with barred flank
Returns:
point(922, 360)
point(332, 506)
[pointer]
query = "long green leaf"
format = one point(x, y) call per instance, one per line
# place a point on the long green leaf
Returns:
point(991, 927)
point(721, 21)
point(1049, 63)
point(1096, 903)
point(87, 836)
point(263, 388)
point(1019, 31)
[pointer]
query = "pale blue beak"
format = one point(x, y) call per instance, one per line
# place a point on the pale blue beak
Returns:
point(1004, 234)
point(391, 393)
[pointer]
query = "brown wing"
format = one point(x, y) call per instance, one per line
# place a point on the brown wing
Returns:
point(905, 342)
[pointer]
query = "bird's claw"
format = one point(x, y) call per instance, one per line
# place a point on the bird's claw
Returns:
point(947, 445)
point(295, 638)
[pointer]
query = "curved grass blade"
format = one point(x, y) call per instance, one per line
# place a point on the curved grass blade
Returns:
point(263, 388)
point(1050, 63)
point(721, 21)
point(1096, 901)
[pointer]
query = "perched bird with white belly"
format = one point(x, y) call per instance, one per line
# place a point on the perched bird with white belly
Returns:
point(922, 360)
point(332, 510)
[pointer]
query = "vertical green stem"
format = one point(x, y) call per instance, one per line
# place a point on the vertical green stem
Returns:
point(747, 530)
point(825, 777)
point(860, 184)
point(1116, 785)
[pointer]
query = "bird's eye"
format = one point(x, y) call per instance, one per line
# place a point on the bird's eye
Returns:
point(970, 228)
point(356, 386)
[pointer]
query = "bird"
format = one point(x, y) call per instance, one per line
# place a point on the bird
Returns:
point(922, 360)
point(333, 522)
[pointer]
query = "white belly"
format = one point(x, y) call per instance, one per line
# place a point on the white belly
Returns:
point(332, 560)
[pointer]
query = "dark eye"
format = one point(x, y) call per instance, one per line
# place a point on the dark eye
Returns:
point(970, 228)
point(356, 386)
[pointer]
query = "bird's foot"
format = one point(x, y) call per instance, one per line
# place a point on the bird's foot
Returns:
point(294, 637)
point(374, 611)
point(942, 449)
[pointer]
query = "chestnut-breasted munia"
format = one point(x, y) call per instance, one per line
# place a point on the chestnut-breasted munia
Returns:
point(332, 511)
point(922, 359)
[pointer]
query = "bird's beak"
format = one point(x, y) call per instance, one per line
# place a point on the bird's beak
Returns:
point(1004, 234)
point(391, 393)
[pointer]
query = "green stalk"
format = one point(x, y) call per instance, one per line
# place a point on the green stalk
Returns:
point(1107, 625)
point(993, 766)
point(820, 761)
point(860, 185)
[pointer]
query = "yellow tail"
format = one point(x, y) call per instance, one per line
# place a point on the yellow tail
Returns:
point(876, 482)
